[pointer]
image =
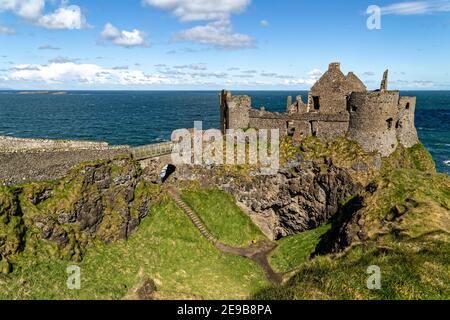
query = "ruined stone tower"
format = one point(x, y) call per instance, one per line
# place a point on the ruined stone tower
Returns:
point(338, 106)
point(380, 120)
point(372, 120)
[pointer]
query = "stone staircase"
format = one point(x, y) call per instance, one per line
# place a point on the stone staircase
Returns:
point(198, 223)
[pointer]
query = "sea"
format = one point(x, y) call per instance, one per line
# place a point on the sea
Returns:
point(143, 117)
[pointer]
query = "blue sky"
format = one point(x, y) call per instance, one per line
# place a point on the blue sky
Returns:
point(215, 44)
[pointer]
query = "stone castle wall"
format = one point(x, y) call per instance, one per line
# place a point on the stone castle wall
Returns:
point(338, 105)
point(30, 166)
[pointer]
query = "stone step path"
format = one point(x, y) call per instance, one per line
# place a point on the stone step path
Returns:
point(192, 216)
point(258, 253)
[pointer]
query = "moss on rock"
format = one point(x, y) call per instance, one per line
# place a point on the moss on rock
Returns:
point(100, 201)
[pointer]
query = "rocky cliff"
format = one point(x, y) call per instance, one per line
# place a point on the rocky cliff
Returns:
point(314, 179)
point(102, 201)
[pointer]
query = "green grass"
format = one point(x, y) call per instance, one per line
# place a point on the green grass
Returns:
point(411, 248)
point(224, 219)
point(294, 250)
point(166, 248)
point(416, 270)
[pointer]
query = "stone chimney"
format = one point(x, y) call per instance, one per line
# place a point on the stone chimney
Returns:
point(334, 66)
point(384, 82)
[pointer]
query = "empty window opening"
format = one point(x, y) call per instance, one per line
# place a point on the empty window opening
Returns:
point(398, 125)
point(290, 128)
point(390, 122)
point(408, 106)
point(316, 103)
point(313, 126)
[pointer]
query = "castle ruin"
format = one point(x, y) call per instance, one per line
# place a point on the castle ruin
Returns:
point(338, 105)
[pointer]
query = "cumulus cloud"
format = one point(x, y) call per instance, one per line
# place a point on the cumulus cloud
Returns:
point(194, 10)
point(124, 38)
point(27, 9)
point(64, 17)
point(219, 34)
point(70, 72)
point(417, 7)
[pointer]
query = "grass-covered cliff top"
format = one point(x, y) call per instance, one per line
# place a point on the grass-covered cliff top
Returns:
point(399, 222)
point(363, 166)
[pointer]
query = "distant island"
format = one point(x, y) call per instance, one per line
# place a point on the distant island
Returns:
point(42, 92)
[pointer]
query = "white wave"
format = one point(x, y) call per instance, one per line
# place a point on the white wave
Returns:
point(447, 162)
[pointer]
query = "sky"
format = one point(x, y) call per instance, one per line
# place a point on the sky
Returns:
point(217, 44)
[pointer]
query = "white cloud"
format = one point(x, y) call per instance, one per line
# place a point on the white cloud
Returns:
point(219, 34)
point(64, 17)
point(264, 24)
point(27, 9)
point(415, 84)
point(194, 10)
point(417, 7)
point(310, 80)
point(315, 73)
point(123, 38)
point(6, 30)
point(70, 72)
point(194, 66)
point(61, 59)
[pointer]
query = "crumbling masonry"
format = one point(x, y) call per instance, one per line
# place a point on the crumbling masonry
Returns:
point(338, 105)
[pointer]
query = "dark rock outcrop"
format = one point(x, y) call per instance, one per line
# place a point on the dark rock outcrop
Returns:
point(300, 197)
point(103, 201)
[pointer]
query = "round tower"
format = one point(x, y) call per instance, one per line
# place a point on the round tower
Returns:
point(406, 128)
point(373, 118)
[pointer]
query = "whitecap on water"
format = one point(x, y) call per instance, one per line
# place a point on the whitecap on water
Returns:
point(447, 162)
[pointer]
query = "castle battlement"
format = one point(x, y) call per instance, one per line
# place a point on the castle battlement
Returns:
point(338, 105)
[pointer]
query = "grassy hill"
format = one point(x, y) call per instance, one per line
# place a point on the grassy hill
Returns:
point(166, 248)
point(223, 217)
point(400, 223)
point(405, 229)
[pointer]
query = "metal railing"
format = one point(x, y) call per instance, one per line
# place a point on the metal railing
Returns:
point(152, 150)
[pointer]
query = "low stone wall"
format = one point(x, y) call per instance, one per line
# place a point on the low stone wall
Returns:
point(27, 166)
point(12, 144)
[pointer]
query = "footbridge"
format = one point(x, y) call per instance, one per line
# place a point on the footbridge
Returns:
point(152, 151)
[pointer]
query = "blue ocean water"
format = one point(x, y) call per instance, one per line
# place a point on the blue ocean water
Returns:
point(142, 117)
